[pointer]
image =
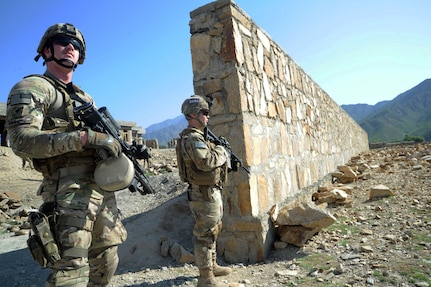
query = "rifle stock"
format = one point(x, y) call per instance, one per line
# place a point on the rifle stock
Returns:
point(221, 141)
point(101, 121)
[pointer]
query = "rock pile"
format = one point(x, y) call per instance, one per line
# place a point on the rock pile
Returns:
point(13, 215)
point(380, 201)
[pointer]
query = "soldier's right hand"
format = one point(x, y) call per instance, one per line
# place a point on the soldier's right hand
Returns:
point(96, 140)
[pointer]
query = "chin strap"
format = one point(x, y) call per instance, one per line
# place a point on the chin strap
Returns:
point(202, 124)
point(63, 61)
point(60, 62)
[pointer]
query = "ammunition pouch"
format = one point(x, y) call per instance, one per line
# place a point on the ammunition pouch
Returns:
point(42, 244)
point(199, 177)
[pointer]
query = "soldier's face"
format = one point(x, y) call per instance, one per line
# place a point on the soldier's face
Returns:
point(200, 120)
point(68, 52)
point(204, 116)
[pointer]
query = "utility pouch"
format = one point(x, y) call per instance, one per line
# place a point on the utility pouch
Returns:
point(36, 250)
point(206, 192)
point(42, 244)
point(180, 162)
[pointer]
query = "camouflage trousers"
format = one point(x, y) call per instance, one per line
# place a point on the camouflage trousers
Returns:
point(88, 230)
point(206, 205)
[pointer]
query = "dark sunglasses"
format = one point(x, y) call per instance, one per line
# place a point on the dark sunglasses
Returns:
point(64, 41)
point(205, 112)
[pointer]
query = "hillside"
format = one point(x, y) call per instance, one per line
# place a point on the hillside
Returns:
point(166, 130)
point(407, 114)
point(360, 111)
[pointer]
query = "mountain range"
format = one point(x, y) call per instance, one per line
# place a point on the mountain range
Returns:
point(166, 130)
point(387, 121)
point(390, 121)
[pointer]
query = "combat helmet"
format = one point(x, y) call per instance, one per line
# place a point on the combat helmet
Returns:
point(61, 29)
point(194, 105)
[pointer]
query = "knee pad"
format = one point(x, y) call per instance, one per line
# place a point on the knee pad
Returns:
point(69, 277)
point(103, 263)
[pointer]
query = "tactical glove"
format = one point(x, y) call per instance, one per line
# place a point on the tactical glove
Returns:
point(107, 143)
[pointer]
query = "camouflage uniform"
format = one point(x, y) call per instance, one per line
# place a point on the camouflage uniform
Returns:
point(206, 169)
point(88, 228)
point(204, 166)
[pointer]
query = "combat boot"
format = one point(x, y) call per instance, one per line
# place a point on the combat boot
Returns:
point(217, 269)
point(206, 278)
point(221, 270)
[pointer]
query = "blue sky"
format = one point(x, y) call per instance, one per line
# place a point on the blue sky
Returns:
point(138, 54)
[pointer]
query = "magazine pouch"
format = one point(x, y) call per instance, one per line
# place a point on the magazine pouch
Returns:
point(42, 244)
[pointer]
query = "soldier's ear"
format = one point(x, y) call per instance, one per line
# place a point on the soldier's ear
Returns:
point(47, 52)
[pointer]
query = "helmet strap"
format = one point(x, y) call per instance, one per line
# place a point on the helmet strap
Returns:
point(188, 117)
point(61, 62)
point(199, 120)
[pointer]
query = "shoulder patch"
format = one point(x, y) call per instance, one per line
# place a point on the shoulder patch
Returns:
point(199, 144)
point(16, 99)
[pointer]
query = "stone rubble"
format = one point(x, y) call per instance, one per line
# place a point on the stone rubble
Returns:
point(383, 205)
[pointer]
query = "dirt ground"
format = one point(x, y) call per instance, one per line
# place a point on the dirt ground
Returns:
point(385, 242)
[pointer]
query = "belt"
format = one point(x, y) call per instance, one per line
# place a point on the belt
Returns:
point(197, 187)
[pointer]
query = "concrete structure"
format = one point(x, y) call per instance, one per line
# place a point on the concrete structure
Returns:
point(152, 143)
point(278, 120)
point(132, 132)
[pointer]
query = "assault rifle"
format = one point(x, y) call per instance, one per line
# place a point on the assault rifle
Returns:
point(101, 121)
point(235, 161)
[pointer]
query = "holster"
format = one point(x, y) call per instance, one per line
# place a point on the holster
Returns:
point(42, 244)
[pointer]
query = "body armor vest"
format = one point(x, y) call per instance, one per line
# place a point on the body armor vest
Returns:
point(60, 118)
point(187, 168)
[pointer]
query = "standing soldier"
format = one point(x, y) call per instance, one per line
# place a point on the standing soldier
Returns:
point(84, 218)
point(204, 166)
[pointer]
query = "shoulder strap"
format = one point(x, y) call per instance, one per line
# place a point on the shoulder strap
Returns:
point(69, 89)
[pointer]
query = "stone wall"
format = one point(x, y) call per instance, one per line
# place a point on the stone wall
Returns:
point(287, 130)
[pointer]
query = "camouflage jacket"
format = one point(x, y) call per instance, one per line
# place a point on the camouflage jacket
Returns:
point(39, 117)
point(204, 162)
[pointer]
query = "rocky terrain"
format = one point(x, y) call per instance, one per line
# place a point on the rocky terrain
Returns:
point(384, 241)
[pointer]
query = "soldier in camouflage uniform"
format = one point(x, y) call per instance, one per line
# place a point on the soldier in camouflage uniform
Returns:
point(41, 125)
point(204, 166)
